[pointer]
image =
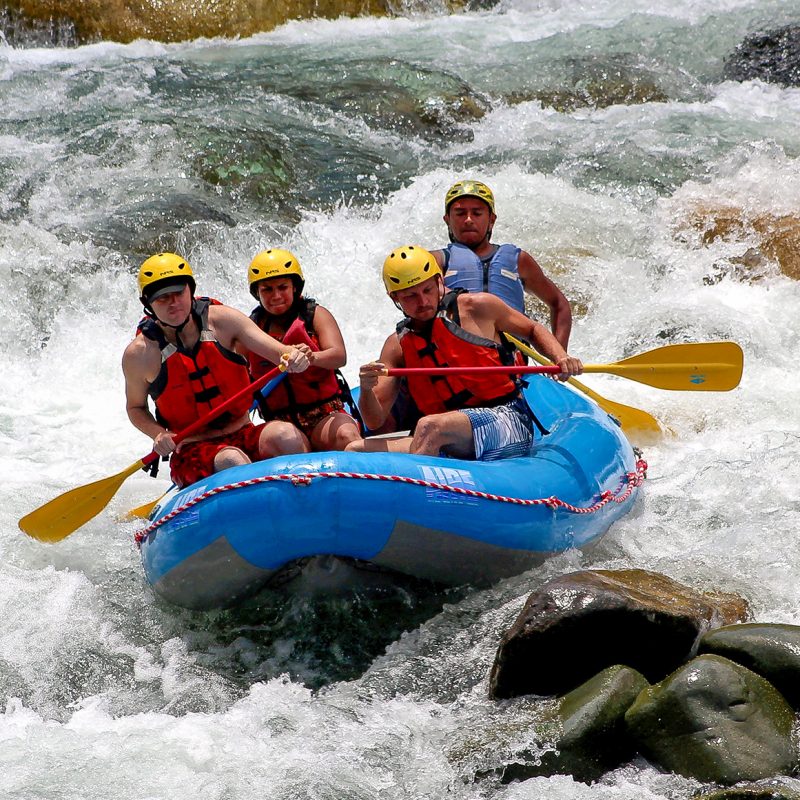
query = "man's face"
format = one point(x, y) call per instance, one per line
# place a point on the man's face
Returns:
point(420, 302)
point(469, 220)
point(173, 307)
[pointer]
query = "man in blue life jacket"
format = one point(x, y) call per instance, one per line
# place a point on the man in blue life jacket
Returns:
point(468, 413)
point(473, 263)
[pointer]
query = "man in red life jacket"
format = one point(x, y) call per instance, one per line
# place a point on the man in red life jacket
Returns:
point(312, 400)
point(185, 360)
point(481, 416)
point(473, 263)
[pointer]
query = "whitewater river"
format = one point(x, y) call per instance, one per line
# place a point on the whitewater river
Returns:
point(612, 144)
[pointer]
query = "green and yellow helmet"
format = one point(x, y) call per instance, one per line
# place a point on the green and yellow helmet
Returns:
point(469, 189)
point(164, 273)
point(274, 263)
point(407, 266)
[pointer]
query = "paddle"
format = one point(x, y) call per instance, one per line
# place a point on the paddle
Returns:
point(636, 424)
point(143, 511)
point(701, 366)
point(64, 514)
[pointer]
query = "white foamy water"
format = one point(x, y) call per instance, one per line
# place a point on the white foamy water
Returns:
point(108, 692)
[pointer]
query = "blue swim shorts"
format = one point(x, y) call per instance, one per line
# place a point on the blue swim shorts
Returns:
point(501, 432)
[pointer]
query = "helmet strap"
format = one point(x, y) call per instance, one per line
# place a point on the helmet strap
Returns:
point(177, 328)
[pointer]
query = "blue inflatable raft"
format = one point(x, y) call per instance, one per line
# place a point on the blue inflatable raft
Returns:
point(450, 521)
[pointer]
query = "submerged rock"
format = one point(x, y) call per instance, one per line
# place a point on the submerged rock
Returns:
point(772, 56)
point(152, 225)
point(594, 738)
point(390, 94)
point(770, 650)
point(593, 82)
point(580, 623)
point(775, 789)
point(714, 720)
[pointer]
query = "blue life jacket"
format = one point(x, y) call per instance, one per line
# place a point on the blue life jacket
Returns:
point(497, 274)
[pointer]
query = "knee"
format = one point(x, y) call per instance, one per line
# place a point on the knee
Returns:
point(229, 457)
point(347, 435)
point(282, 438)
point(428, 427)
point(429, 436)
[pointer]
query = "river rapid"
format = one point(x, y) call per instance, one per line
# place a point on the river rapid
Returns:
point(612, 144)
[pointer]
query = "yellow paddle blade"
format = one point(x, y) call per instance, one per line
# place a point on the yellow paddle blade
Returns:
point(700, 366)
point(638, 425)
point(142, 511)
point(64, 514)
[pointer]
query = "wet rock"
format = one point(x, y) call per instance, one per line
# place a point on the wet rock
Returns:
point(771, 650)
point(578, 624)
point(773, 57)
point(394, 95)
point(247, 165)
point(151, 226)
point(714, 720)
point(594, 737)
point(183, 20)
point(776, 789)
point(20, 30)
point(593, 82)
point(777, 237)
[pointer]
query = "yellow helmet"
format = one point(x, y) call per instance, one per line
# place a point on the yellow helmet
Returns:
point(469, 189)
point(407, 266)
point(163, 273)
point(274, 263)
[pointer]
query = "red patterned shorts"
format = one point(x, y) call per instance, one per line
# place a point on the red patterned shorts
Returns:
point(308, 420)
point(195, 460)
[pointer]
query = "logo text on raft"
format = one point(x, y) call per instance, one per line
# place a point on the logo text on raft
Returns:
point(697, 379)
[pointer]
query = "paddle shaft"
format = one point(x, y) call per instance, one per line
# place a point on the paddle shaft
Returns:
point(551, 369)
point(503, 370)
point(64, 514)
point(143, 511)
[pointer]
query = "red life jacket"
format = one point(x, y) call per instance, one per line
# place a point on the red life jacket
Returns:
point(192, 382)
point(299, 391)
point(444, 343)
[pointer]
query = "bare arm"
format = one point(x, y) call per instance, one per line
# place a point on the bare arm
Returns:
point(140, 366)
point(332, 353)
point(234, 331)
point(539, 285)
point(492, 316)
point(379, 391)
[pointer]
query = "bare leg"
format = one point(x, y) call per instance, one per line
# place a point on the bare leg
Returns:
point(450, 431)
point(280, 438)
point(379, 444)
point(230, 457)
point(335, 432)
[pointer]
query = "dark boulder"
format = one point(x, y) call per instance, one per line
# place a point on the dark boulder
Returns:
point(594, 737)
point(772, 651)
point(581, 623)
point(773, 57)
point(714, 720)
